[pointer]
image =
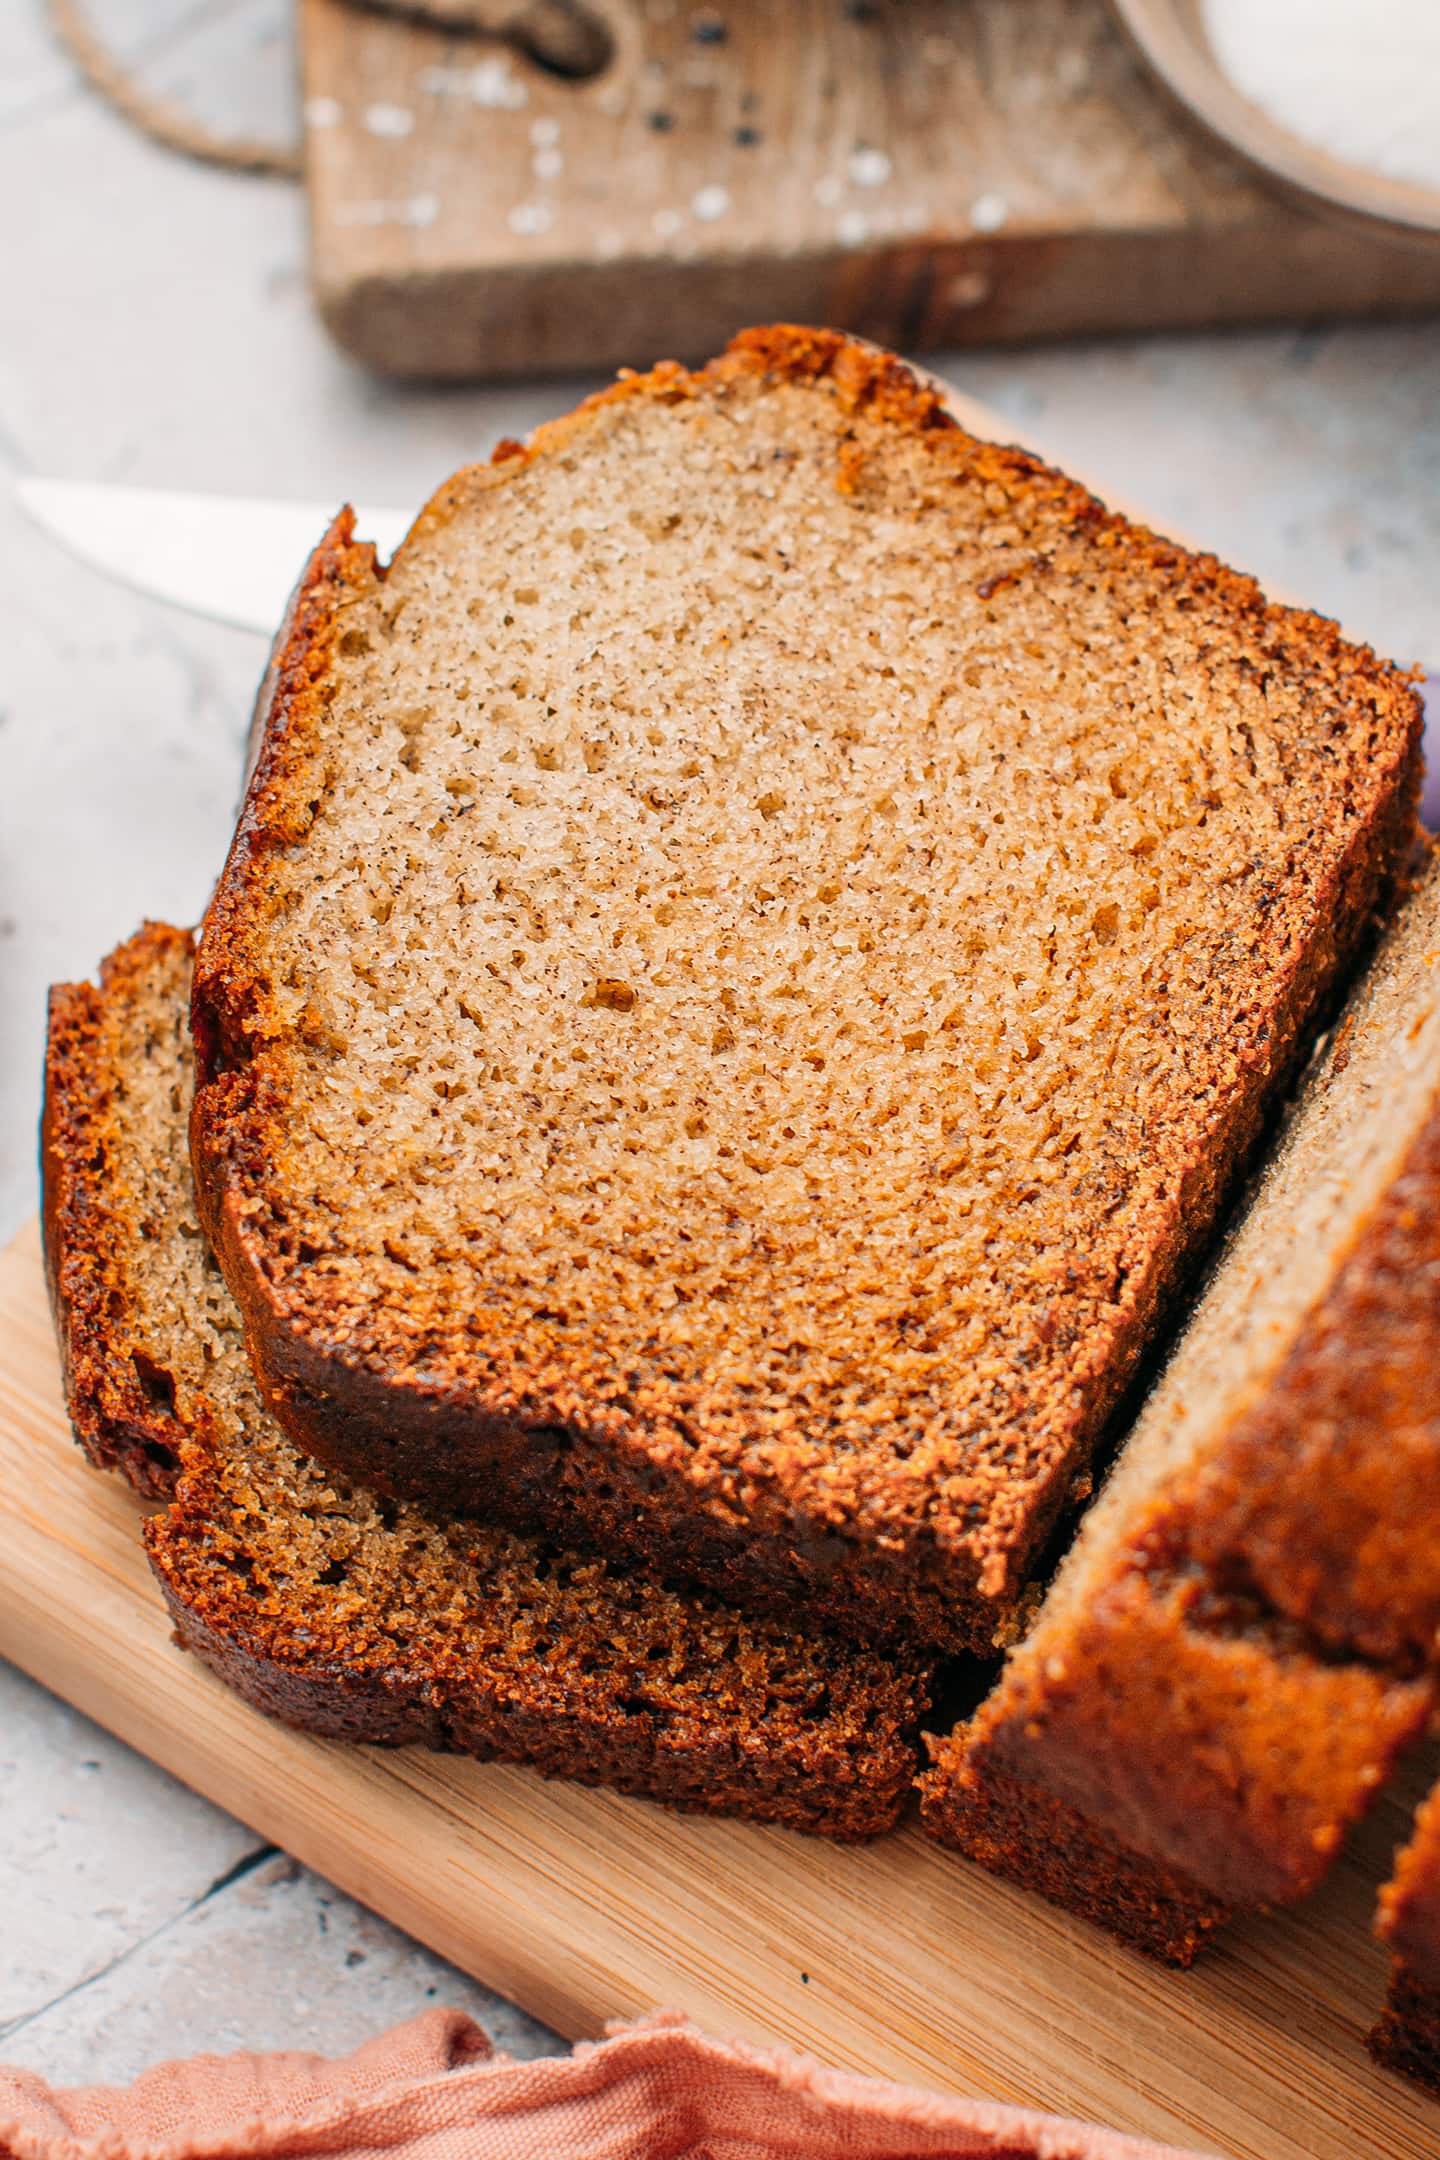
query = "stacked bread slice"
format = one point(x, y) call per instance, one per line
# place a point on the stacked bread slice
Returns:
point(1242, 1637)
point(361, 1618)
point(755, 954)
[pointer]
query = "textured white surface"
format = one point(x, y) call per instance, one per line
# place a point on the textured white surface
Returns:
point(155, 328)
point(84, 1822)
point(136, 1921)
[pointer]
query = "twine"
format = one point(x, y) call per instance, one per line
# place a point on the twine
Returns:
point(569, 39)
point(155, 116)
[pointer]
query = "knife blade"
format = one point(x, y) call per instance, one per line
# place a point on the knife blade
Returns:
point(232, 557)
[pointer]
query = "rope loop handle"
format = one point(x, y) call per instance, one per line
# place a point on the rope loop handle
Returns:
point(156, 117)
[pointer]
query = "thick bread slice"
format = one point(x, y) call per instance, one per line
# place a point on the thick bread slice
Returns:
point(1197, 1695)
point(1407, 2037)
point(109, 1312)
point(363, 1619)
point(751, 955)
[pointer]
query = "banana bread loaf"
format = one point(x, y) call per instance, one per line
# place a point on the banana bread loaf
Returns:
point(364, 1619)
point(1235, 1649)
point(752, 953)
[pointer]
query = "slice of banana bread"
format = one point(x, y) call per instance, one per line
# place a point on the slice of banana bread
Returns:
point(1407, 2037)
point(751, 955)
point(364, 1619)
point(1202, 1705)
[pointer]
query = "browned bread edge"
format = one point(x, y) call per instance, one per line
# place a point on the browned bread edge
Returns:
point(1191, 1732)
point(124, 1419)
point(697, 1773)
point(1407, 2035)
point(1039, 1841)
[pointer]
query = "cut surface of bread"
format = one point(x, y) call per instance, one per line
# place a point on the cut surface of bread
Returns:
point(365, 1619)
point(1407, 2037)
point(1235, 1648)
point(121, 1402)
point(751, 956)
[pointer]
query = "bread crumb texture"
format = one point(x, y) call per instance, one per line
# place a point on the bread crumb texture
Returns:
point(367, 1618)
point(760, 938)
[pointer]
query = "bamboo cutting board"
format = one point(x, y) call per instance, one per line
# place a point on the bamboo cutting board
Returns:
point(893, 1958)
point(926, 172)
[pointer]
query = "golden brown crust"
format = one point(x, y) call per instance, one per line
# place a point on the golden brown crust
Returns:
point(345, 1382)
point(228, 1011)
point(1038, 1840)
point(1185, 1728)
point(1407, 2037)
point(122, 1412)
point(1409, 1915)
point(696, 1765)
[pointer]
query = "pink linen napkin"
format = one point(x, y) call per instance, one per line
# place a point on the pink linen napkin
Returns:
point(433, 2090)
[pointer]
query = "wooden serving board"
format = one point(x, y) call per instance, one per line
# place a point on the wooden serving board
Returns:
point(926, 172)
point(893, 1958)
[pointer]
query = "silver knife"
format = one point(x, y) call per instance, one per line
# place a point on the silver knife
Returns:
point(236, 558)
point(232, 557)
